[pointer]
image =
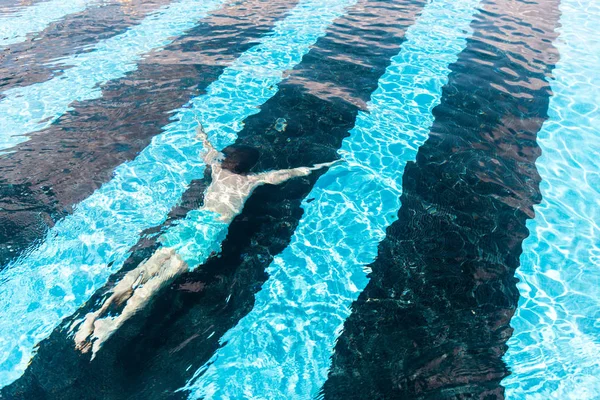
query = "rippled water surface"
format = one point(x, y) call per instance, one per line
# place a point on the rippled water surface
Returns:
point(452, 252)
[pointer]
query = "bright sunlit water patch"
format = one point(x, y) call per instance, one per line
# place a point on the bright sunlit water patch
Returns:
point(84, 249)
point(282, 348)
point(555, 350)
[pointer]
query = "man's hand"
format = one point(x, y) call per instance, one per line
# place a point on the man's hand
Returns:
point(200, 134)
point(329, 164)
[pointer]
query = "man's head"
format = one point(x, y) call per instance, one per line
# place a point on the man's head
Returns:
point(239, 158)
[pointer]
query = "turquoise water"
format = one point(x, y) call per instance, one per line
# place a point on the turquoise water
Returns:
point(265, 302)
point(282, 348)
point(555, 349)
point(32, 108)
point(23, 21)
point(81, 251)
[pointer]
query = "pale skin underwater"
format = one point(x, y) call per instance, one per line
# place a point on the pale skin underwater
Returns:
point(225, 197)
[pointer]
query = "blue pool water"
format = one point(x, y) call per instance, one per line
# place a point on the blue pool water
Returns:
point(283, 346)
point(31, 108)
point(17, 23)
point(555, 350)
point(453, 252)
point(81, 251)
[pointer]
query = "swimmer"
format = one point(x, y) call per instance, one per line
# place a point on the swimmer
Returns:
point(136, 289)
point(231, 186)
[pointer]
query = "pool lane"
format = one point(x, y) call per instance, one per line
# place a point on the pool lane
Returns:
point(23, 21)
point(282, 348)
point(28, 109)
point(555, 350)
point(433, 321)
point(34, 61)
point(319, 102)
point(82, 250)
point(44, 178)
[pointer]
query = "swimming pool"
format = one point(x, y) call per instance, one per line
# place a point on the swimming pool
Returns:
point(452, 252)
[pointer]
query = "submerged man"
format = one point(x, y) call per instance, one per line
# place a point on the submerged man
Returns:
point(190, 242)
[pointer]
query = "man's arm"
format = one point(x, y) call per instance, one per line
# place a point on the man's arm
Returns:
point(277, 177)
point(212, 156)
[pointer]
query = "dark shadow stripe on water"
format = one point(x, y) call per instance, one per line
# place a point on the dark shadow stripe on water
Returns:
point(434, 319)
point(28, 62)
point(60, 166)
point(303, 124)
